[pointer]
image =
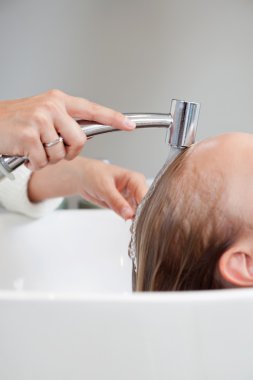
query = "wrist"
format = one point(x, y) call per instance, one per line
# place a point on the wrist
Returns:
point(79, 168)
point(59, 180)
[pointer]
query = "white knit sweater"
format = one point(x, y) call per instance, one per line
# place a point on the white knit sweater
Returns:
point(13, 196)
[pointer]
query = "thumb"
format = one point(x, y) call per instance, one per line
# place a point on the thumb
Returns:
point(119, 204)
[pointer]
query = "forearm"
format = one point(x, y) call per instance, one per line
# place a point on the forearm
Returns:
point(57, 180)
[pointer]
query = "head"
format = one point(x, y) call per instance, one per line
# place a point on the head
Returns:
point(196, 231)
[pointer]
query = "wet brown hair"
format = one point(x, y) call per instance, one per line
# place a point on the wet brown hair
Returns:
point(183, 230)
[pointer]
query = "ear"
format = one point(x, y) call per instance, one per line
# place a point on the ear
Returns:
point(236, 267)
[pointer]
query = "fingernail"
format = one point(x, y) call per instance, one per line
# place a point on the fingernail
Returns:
point(126, 213)
point(129, 123)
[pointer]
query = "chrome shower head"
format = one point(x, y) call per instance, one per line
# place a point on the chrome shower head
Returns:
point(185, 115)
point(181, 123)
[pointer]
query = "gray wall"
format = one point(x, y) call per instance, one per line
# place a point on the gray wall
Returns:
point(134, 56)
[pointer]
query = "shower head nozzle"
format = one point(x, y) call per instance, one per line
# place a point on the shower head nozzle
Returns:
point(182, 132)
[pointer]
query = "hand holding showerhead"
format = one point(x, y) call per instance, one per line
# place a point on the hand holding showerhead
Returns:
point(180, 122)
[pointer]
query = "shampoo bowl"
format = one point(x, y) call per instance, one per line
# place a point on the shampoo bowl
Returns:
point(67, 311)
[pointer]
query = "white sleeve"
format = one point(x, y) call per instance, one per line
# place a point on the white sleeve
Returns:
point(14, 197)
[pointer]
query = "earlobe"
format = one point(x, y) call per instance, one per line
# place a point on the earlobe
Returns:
point(236, 268)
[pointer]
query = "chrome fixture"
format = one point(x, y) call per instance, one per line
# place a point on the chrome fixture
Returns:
point(181, 124)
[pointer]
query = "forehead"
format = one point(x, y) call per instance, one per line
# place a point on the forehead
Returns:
point(227, 153)
point(229, 159)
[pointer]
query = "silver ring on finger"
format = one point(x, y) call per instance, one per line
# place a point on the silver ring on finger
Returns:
point(54, 142)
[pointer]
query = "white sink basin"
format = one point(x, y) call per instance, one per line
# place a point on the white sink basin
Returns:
point(68, 251)
point(67, 311)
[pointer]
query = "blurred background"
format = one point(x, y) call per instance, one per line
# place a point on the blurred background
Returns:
point(134, 56)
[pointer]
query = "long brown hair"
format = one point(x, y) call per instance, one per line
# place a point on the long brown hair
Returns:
point(183, 230)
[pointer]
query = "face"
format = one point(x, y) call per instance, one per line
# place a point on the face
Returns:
point(230, 156)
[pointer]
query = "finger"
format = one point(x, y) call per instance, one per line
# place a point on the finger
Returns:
point(129, 198)
point(37, 158)
point(137, 186)
point(84, 109)
point(74, 137)
point(56, 152)
point(118, 203)
point(95, 201)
